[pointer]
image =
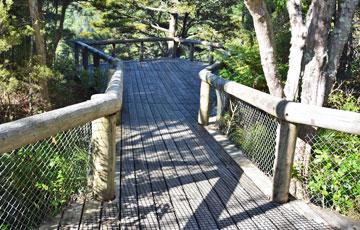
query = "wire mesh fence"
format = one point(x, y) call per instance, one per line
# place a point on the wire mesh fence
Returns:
point(39, 179)
point(327, 171)
point(253, 130)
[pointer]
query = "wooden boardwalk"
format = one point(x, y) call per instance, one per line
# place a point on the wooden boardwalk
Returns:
point(172, 174)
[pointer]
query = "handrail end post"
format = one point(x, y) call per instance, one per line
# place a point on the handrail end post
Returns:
point(104, 157)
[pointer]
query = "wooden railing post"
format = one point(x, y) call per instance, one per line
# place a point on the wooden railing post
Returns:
point(113, 50)
point(175, 49)
point(284, 157)
point(142, 51)
point(191, 54)
point(211, 57)
point(85, 58)
point(203, 118)
point(96, 61)
point(104, 156)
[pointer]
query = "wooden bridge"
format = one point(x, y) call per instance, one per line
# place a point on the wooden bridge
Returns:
point(171, 174)
point(165, 170)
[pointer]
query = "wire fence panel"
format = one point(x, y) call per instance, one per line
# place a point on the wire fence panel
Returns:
point(253, 130)
point(39, 179)
point(327, 171)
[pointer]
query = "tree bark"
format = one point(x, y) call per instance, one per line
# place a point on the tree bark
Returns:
point(298, 37)
point(39, 42)
point(339, 37)
point(315, 55)
point(265, 36)
point(172, 32)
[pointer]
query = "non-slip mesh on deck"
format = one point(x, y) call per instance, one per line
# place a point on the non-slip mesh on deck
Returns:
point(327, 171)
point(39, 179)
point(253, 130)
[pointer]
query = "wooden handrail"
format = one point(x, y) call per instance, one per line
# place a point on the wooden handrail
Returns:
point(87, 47)
point(28, 130)
point(127, 41)
point(156, 39)
point(31, 129)
point(97, 52)
point(199, 42)
point(343, 121)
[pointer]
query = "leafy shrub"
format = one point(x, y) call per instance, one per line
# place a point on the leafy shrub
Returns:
point(243, 65)
point(334, 172)
point(40, 179)
point(335, 165)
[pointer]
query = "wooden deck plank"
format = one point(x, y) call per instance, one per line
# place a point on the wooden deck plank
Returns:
point(147, 206)
point(91, 215)
point(129, 214)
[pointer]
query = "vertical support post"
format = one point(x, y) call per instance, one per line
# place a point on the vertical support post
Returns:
point(203, 118)
point(175, 49)
point(285, 148)
point(113, 50)
point(96, 61)
point(77, 57)
point(191, 54)
point(85, 58)
point(219, 105)
point(104, 156)
point(142, 51)
point(211, 57)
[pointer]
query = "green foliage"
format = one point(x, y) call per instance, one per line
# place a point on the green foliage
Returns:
point(243, 65)
point(335, 164)
point(335, 170)
point(42, 178)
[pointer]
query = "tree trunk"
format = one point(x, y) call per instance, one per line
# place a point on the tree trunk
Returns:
point(321, 60)
point(315, 56)
point(344, 70)
point(59, 32)
point(338, 39)
point(185, 22)
point(298, 36)
point(265, 36)
point(39, 42)
point(172, 32)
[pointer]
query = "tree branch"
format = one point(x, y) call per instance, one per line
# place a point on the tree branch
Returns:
point(265, 36)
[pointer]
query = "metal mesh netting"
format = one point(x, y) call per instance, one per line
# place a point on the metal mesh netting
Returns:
point(39, 179)
point(327, 171)
point(253, 130)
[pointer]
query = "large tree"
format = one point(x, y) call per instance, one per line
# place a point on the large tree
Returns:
point(316, 46)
